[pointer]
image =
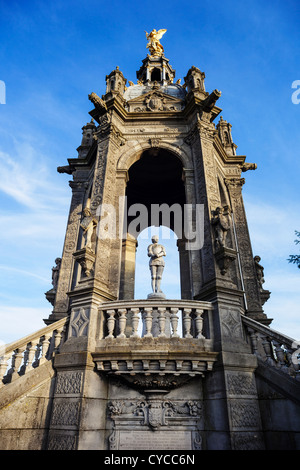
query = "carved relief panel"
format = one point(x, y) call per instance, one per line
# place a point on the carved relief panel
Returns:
point(156, 423)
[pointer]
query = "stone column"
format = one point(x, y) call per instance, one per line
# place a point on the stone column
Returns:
point(64, 284)
point(254, 303)
point(206, 189)
point(80, 395)
point(105, 194)
point(185, 268)
point(190, 260)
point(232, 413)
point(127, 279)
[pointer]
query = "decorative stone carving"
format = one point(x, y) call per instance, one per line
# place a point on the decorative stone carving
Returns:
point(224, 255)
point(97, 101)
point(68, 383)
point(86, 258)
point(55, 273)
point(116, 407)
point(240, 383)
point(79, 322)
point(62, 441)
point(248, 441)
point(155, 412)
point(264, 294)
point(88, 224)
point(155, 101)
point(252, 289)
point(245, 414)
point(221, 226)
point(248, 166)
point(66, 267)
point(50, 294)
point(65, 413)
point(155, 423)
point(231, 324)
point(157, 381)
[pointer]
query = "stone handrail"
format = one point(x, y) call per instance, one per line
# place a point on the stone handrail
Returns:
point(273, 348)
point(21, 356)
point(153, 318)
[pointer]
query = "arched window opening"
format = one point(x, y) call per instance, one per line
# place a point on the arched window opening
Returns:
point(155, 192)
point(156, 75)
point(155, 197)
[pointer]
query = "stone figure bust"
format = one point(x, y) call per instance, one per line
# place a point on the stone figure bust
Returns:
point(88, 224)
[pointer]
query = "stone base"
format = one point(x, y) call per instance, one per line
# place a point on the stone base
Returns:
point(155, 296)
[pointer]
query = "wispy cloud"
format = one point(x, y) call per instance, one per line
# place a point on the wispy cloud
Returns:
point(25, 178)
point(23, 272)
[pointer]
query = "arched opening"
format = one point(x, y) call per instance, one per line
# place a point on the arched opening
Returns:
point(155, 179)
point(155, 197)
point(156, 75)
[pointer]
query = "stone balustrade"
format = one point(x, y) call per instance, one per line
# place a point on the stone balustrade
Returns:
point(28, 353)
point(273, 348)
point(156, 318)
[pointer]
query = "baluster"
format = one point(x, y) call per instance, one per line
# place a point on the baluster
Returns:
point(23, 368)
point(162, 322)
point(254, 342)
point(111, 323)
point(57, 340)
point(294, 357)
point(174, 322)
point(187, 322)
point(122, 322)
point(63, 334)
point(293, 367)
point(3, 368)
point(44, 347)
point(266, 342)
point(36, 360)
point(280, 354)
point(31, 354)
point(199, 323)
point(148, 322)
point(135, 322)
point(17, 361)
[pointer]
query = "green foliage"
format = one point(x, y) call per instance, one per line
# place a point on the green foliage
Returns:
point(295, 259)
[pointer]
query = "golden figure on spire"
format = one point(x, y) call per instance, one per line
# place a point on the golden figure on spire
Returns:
point(154, 46)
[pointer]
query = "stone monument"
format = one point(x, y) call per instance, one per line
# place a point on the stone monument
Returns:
point(207, 372)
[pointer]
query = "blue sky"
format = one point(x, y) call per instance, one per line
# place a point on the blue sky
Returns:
point(53, 54)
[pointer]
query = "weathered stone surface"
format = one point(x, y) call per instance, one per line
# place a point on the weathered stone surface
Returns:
point(111, 372)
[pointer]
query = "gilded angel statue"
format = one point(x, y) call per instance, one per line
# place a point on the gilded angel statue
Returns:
point(154, 46)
